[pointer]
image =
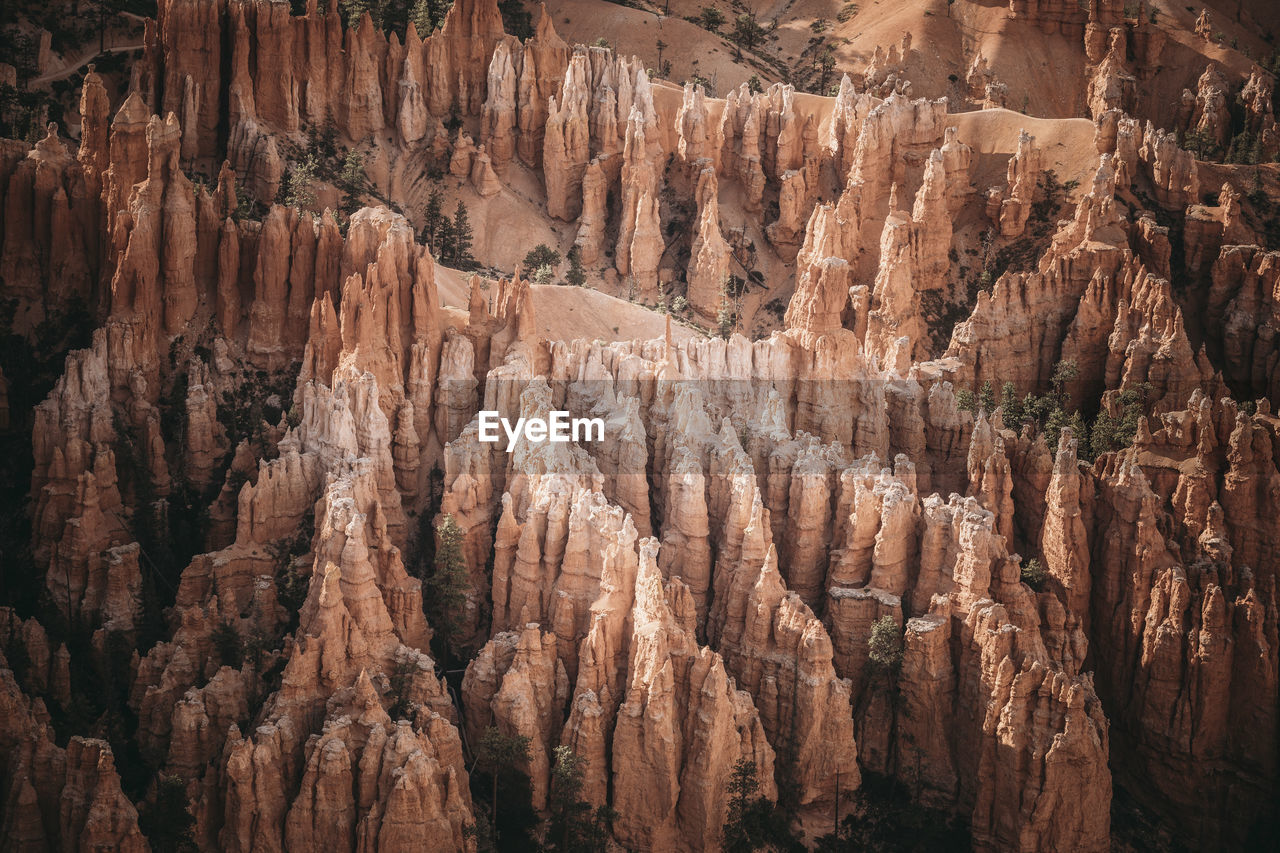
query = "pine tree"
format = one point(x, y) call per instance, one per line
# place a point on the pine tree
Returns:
point(352, 181)
point(540, 255)
point(401, 678)
point(449, 584)
point(827, 64)
point(168, 824)
point(1010, 405)
point(711, 18)
point(1053, 427)
point(446, 250)
point(497, 754)
point(462, 238)
point(576, 275)
point(1063, 372)
point(1132, 402)
point(987, 398)
point(746, 33)
point(297, 189)
point(420, 17)
point(753, 822)
point(432, 219)
point(228, 645)
point(1033, 574)
point(515, 20)
point(1103, 434)
point(1079, 431)
point(353, 10)
point(572, 825)
point(726, 317)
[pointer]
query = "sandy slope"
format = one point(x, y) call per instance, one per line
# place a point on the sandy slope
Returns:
point(945, 39)
point(993, 134)
point(565, 313)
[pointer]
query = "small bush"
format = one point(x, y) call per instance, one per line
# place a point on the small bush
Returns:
point(540, 255)
point(884, 646)
point(576, 275)
point(711, 18)
point(228, 645)
point(1033, 574)
point(298, 187)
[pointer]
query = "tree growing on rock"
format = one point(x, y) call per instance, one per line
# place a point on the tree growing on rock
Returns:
point(298, 187)
point(572, 825)
point(1033, 574)
point(427, 15)
point(168, 823)
point(754, 823)
point(448, 585)
point(884, 646)
point(228, 645)
point(728, 314)
point(498, 755)
point(353, 182)
point(1010, 405)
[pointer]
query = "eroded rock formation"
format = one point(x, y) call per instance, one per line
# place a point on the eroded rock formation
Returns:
point(703, 585)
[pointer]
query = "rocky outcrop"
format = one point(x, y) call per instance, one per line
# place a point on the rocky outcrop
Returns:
point(757, 624)
point(1185, 596)
point(1064, 537)
point(1090, 267)
point(984, 86)
point(566, 143)
point(1113, 86)
point(640, 241)
point(1256, 95)
point(709, 256)
point(1210, 118)
point(681, 727)
point(334, 74)
point(1011, 206)
point(1173, 170)
point(591, 228)
point(913, 263)
point(59, 797)
point(1243, 302)
point(519, 684)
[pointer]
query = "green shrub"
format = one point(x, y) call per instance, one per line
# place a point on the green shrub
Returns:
point(884, 646)
point(540, 255)
point(1033, 574)
point(228, 645)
